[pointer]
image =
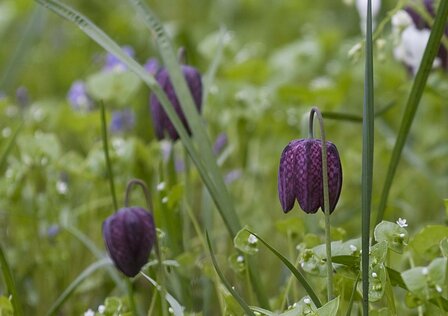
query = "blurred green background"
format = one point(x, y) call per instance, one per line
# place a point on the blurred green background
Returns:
point(280, 57)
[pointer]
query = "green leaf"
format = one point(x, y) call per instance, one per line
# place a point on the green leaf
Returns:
point(246, 242)
point(397, 237)
point(427, 282)
point(444, 247)
point(113, 87)
point(237, 262)
point(10, 283)
point(6, 308)
point(330, 308)
point(426, 242)
point(377, 271)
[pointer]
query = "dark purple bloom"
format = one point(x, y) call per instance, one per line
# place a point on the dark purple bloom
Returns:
point(78, 97)
point(152, 66)
point(162, 123)
point(112, 63)
point(420, 23)
point(129, 235)
point(122, 121)
point(300, 175)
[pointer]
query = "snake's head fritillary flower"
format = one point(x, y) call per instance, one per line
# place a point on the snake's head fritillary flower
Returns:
point(162, 123)
point(300, 175)
point(129, 235)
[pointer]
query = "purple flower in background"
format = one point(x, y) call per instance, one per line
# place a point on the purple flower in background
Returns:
point(300, 175)
point(122, 121)
point(22, 97)
point(53, 231)
point(78, 97)
point(233, 176)
point(152, 66)
point(112, 63)
point(129, 235)
point(162, 123)
point(220, 143)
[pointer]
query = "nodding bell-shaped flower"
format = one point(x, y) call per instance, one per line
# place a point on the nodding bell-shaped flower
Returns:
point(162, 123)
point(300, 175)
point(129, 235)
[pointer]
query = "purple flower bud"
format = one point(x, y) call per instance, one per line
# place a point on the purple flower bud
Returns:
point(300, 175)
point(129, 235)
point(112, 63)
point(78, 97)
point(162, 123)
point(122, 121)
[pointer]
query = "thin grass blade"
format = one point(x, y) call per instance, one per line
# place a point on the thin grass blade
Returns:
point(9, 146)
point(71, 288)
point(300, 277)
point(367, 159)
point(10, 284)
point(413, 102)
point(226, 283)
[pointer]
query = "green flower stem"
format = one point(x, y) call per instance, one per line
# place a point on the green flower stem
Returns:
point(143, 186)
point(106, 155)
point(316, 111)
point(112, 191)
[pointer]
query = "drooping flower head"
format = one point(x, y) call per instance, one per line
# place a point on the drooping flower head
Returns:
point(129, 235)
point(300, 175)
point(162, 123)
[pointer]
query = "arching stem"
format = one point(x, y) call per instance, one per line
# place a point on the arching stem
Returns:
point(142, 185)
point(316, 111)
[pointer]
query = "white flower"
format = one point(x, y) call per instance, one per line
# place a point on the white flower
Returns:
point(401, 20)
point(402, 235)
point(374, 275)
point(425, 271)
point(240, 259)
point(161, 186)
point(402, 222)
point(252, 239)
point(307, 301)
point(353, 248)
point(89, 313)
point(361, 5)
point(165, 200)
point(439, 288)
point(101, 309)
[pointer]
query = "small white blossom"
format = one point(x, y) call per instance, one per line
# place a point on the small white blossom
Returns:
point(374, 275)
point(439, 288)
point(425, 271)
point(61, 187)
point(240, 259)
point(252, 239)
point(402, 222)
point(294, 305)
point(307, 301)
point(401, 20)
point(89, 313)
point(101, 309)
point(161, 186)
point(165, 200)
point(353, 248)
point(402, 235)
point(170, 310)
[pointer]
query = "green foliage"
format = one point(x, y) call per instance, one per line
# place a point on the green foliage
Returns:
point(259, 80)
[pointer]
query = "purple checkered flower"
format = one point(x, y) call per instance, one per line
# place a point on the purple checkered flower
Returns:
point(78, 97)
point(129, 235)
point(162, 123)
point(300, 175)
point(122, 121)
point(112, 63)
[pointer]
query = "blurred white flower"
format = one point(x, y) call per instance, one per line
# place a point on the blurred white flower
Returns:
point(252, 239)
point(89, 313)
point(401, 20)
point(361, 5)
point(402, 222)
